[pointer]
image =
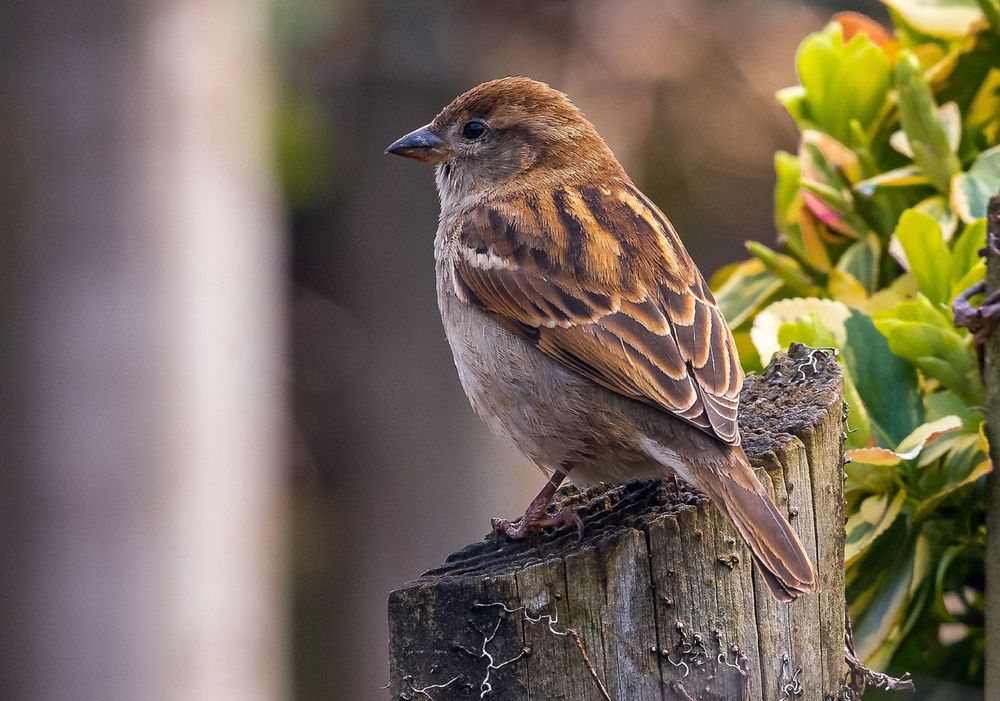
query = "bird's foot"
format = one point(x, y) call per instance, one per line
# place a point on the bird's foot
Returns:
point(535, 523)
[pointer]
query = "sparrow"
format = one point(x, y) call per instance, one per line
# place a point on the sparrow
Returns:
point(582, 331)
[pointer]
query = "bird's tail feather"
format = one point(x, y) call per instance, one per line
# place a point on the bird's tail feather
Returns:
point(782, 560)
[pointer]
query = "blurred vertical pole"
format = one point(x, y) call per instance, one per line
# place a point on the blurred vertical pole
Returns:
point(991, 382)
point(141, 341)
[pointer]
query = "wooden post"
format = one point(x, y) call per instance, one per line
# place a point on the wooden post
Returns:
point(659, 600)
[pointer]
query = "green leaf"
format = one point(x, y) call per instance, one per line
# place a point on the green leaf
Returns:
point(927, 256)
point(944, 562)
point(720, 276)
point(863, 583)
point(785, 268)
point(889, 122)
point(899, 142)
point(861, 260)
point(818, 323)
point(877, 630)
point(794, 100)
point(939, 352)
point(965, 463)
point(827, 168)
point(886, 383)
point(951, 121)
point(899, 290)
point(825, 159)
point(748, 354)
point(858, 423)
point(840, 81)
point(745, 291)
point(870, 475)
point(971, 191)
point(948, 19)
point(786, 192)
point(975, 275)
point(897, 177)
point(940, 404)
point(924, 129)
point(918, 308)
point(873, 518)
point(965, 251)
point(991, 11)
point(937, 207)
point(834, 207)
point(983, 113)
point(845, 288)
point(909, 448)
point(806, 329)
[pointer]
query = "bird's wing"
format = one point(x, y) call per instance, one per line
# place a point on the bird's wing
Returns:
point(597, 278)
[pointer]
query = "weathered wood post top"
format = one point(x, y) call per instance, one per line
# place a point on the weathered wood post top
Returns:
point(659, 600)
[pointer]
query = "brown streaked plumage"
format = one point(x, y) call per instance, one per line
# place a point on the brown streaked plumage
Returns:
point(582, 331)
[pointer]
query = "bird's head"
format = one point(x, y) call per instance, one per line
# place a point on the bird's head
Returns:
point(507, 133)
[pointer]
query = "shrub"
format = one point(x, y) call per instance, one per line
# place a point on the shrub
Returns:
point(881, 217)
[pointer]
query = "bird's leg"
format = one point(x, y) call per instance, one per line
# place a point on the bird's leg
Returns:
point(536, 516)
point(672, 479)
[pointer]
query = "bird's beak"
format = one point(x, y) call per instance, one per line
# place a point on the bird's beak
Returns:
point(421, 145)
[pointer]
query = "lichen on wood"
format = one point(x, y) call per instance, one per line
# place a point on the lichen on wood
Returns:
point(659, 599)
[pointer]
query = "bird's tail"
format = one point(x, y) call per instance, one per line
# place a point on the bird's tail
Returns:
point(783, 562)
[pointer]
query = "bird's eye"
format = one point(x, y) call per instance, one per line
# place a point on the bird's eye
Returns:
point(473, 130)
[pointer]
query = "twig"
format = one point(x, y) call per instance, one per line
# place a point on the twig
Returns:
point(590, 665)
point(861, 676)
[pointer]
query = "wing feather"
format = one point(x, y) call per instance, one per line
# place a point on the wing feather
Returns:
point(599, 280)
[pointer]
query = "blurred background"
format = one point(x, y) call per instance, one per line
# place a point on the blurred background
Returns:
point(232, 424)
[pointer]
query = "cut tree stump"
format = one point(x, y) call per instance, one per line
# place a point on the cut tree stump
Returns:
point(659, 600)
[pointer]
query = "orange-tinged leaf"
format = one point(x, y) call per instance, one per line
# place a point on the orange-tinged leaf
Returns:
point(911, 446)
point(874, 456)
point(835, 153)
point(856, 23)
point(852, 23)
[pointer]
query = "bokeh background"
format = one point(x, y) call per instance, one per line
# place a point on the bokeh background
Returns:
point(204, 228)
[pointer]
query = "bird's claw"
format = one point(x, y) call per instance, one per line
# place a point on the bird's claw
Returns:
point(527, 524)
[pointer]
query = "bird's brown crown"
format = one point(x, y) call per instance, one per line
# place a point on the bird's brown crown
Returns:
point(531, 117)
point(512, 99)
